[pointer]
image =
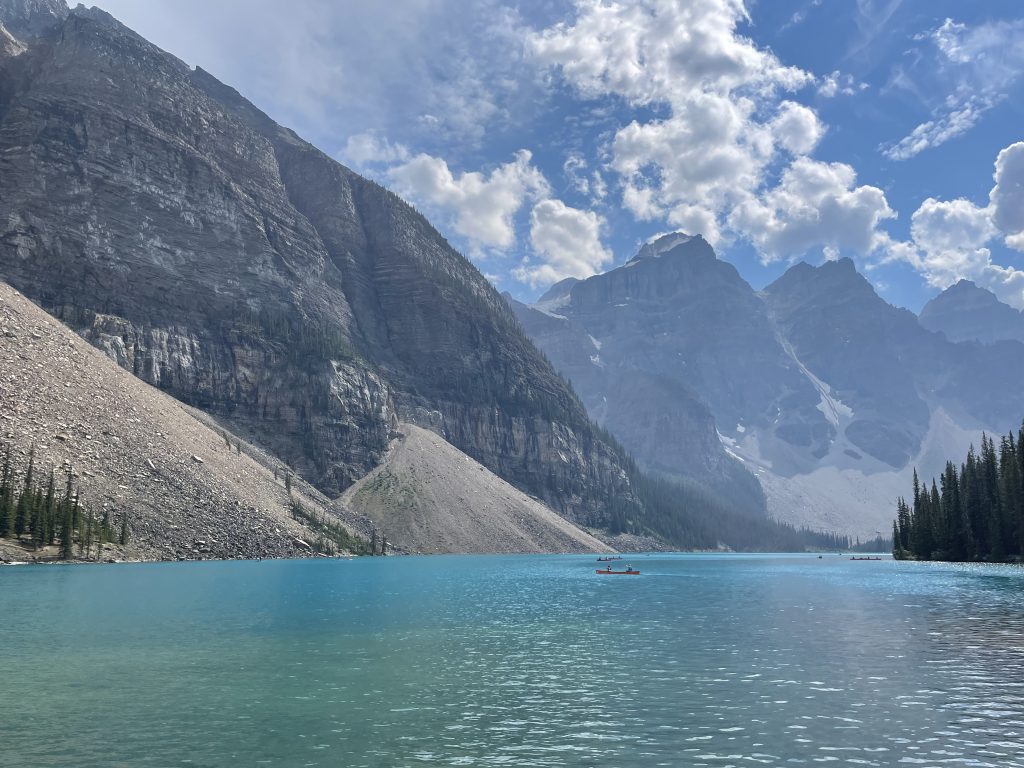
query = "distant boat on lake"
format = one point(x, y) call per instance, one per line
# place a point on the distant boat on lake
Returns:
point(865, 558)
point(630, 571)
point(609, 558)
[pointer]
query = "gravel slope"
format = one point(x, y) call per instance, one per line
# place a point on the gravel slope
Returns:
point(135, 450)
point(428, 496)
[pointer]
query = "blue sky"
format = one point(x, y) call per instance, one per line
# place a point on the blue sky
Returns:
point(551, 138)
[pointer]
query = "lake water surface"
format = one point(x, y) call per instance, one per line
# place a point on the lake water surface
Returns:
point(711, 660)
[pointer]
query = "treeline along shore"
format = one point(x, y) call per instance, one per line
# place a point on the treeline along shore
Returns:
point(972, 513)
point(44, 512)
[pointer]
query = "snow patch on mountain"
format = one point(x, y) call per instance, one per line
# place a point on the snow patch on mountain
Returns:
point(837, 412)
point(859, 502)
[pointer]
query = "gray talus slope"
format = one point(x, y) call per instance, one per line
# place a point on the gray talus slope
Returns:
point(132, 448)
point(430, 497)
point(219, 257)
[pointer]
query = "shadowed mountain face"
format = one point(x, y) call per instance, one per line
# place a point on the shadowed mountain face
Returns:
point(223, 259)
point(891, 371)
point(863, 348)
point(667, 345)
point(815, 377)
point(965, 312)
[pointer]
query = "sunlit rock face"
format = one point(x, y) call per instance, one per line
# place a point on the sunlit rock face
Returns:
point(221, 258)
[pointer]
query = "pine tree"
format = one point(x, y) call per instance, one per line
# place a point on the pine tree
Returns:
point(7, 496)
point(50, 505)
point(39, 523)
point(1010, 493)
point(87, 539)
point(106, 532)
point(976, 520)
point(123, 538)
point(67, 532)
point(23, 510)
point(1019, 522)
point(903, 521)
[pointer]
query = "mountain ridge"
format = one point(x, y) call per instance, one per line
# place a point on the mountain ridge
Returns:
point(967, 312)
point(221, 258)
point(814, 382)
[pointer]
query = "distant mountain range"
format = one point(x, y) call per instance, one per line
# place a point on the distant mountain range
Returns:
point(222, 259)
point(816, 386)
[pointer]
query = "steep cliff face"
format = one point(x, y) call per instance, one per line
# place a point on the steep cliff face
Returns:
point(136, 454)
point(221, 258)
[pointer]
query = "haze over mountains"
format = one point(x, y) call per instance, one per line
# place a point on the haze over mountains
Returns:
point(967, 312)
point(225, 261)
point(817, 386)
point(220, 258)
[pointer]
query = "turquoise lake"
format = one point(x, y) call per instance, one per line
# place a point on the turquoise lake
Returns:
point(718, 660)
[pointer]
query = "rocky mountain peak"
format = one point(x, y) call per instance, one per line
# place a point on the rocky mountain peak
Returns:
point(32, 18)
point(965, 291)
point(968, 312)
point(677, 244)
point(830, 282)
point(558, 290)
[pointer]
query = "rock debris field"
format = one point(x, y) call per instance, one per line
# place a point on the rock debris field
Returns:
point(135, 451)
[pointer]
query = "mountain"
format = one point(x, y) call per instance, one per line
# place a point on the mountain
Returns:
point(220, 258)
point(670, 348)
point(187, 492)
point(816, 386)
point(966, 312)
point(433, 498)
point(864, 349)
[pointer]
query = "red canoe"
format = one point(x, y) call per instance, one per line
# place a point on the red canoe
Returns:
point(610, 572)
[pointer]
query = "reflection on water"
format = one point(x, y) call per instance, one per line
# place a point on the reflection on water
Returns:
point(521, 661)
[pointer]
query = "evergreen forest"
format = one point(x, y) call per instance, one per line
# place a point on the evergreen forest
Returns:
point(41, 510)
point(974, 512)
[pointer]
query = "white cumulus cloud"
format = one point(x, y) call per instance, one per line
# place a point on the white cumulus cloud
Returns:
point(567, 242)
point(723, 129)
point(661, 50)
point(365, 150)
point(950, 238)
point(478, 206)
point(814, 204)
point(797, 128)
point(1007, 197)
